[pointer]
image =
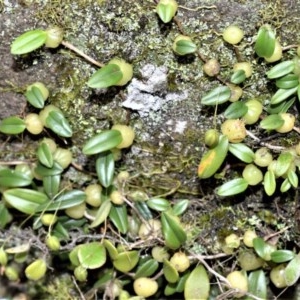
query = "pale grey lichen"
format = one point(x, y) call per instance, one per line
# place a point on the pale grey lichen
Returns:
point(150, 92)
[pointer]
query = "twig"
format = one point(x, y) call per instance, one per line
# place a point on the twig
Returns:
point(272, 147)
point(78, 289)
point(79, 52)
point(276, 233)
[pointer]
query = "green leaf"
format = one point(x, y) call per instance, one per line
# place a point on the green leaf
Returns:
point(144, 210)
point(293, 178)
point(107, 76)
point(92, 255)
point(288, 81)
point(281, 107)
point(236, 110)
point(170, 272)
point(147, 269)
point(111, 249)
point(166, 12)
point(103, 141)
point(105, 167)
point(180, 207)
point(44, 155)
point(25, 200)
point(242, 152)
point(184, 47)
point(271, 122)
point(102, 213)
point(257, 285)
point(269, 182)
point(173, 232)
point(105, 278)
point(126, 261)
point(5, 216)
point(12, 178)
point(35, 97)
point(213, 159)
point(51, 185)
point(232, 187)
point(238, 77)
point(66, 200)
point(292, 271)
point(44, 171)
point(282, 94)
point(216, 96)
point(12, 125)
point(281, 69)
point(118, 215)
point(263, 249)
point(57, 122)
point(285, 186)
point(280, 256)
point(158, 204)
point(28, 41)
point(265, 41)
point(283, 163)
point(197, 285)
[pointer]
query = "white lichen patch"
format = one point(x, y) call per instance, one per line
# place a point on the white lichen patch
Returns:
point(150, 92)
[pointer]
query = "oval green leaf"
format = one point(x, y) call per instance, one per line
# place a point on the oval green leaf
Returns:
point(293, 178)
point(44, 171)
point(102, 141)
point(263, 249)
point(172, 230)
point(118, 215)
point(232, 187)
point(25, 200)
point(242, 152)
point(213, 159)
point(184, 47)
point(238, 77)
point(180, 207)
point(105, 167)
point(35, 97)
point(197, 285)
point(12, 125)
point(284, 161)
point(265, 41)
point(126, 261)
point(170, 272)
point(92, 255)
point(281, 69)
point(102, 213)
point(269, 183)
point(28, 41)
point(287, 82)
point(44, 155)
point(280, 256)
point(158, 204)
point(166, 12)
point(282, 94)
point(285, 186)
point(111, 249)
point(236, 110)
point(144, 210)
point(271, 122)
point(57, 122)
point(51, 185)
point(107, 76)
point(12, 178)
point(257, 284)
point(292, 271)
point(147, 269)
point(218, 95)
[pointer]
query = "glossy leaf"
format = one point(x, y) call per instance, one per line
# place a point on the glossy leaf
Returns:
point(257, 285)
point(285, 186)
point(218, 95)
point(238, 77)
point(144, 210)
point(102, 213)
point(236, 110)
point(118, 215)
point(271, 122)
point(283, 94)
point(293, 178)
point(44, 171)
point(111, 249)
point(35, 97)
point(281, 69)
point(73, 255)
point(5, 216)
point(92, 255)
point(105, 277)
point(51, 185)
point(265, 41)
point(288, 81)
point(263, 249)
point(105, 167)
point(44, 155)
point(284, 161)
point(197, 285)
point(57, 122)
point(12, 178)
point(170, 272)
point(173, 232)
point(242, 152)
point(25, 200)
point(126, 261)
point(158, 204)
point(166, 12)
point(107, 76)
point(103, 141)
point(180, 207)
point(12, 125)
point(292, 271)
point(281, 107)
point(147, 269)
point(280, 256)
point(184, 47)
point(28, 41)
point(213, 159)
point(232, 187)
point(269, 183)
